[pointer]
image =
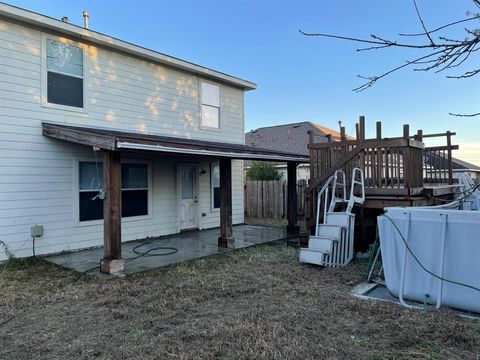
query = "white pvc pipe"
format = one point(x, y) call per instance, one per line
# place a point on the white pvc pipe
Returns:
point(404, 266)
point(442, 259)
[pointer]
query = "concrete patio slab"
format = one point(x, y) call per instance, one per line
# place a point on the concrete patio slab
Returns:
point(167, 250)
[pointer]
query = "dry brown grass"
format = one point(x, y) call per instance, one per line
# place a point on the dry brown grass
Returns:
point(253, 303)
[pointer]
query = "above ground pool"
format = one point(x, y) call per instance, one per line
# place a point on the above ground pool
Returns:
point(445, 242)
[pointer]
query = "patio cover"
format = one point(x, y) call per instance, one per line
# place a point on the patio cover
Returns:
point(113, 140)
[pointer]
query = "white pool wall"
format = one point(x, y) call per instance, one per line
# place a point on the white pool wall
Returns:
point(461, 257)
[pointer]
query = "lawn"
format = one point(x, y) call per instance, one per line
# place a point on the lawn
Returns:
point(255, 303)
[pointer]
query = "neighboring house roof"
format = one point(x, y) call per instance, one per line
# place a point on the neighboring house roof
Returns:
point(292, 138)
point(458, 164)
point(87, 35)
point(439, 161)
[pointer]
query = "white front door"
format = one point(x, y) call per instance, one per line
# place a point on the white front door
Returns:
point(188, 176)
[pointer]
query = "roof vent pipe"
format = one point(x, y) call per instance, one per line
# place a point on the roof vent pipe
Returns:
point(86, 15)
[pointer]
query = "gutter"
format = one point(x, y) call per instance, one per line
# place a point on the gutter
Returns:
point(232, 155)
point(49, 23)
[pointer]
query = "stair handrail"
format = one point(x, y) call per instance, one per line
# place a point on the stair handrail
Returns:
point(343, 188)
point(353, 198)
point(315, 183)
point(325, 189)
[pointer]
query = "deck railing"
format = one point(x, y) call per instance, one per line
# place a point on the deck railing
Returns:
point(392, 166)
point(437, 160)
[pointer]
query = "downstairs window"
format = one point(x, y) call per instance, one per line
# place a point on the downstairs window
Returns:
point(134, 190)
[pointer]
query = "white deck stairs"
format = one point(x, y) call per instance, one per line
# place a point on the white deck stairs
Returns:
point(332, 244)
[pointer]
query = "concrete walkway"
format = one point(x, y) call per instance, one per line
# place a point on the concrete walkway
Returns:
point(177, 248)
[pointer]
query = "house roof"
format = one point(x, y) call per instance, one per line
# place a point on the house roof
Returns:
point(292, 138)
point(458, 164)
point(114, 140)
point(86, 35)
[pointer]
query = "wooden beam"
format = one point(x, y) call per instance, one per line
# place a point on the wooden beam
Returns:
point(379, 130)
point(343, 136)
point(83, 137)
point(112, 261)
point(419, 135)
point(438, 134)
point(292, 227)
point(361, 123)
point(399, 142)
point(226, 239)
point(449, 155)
point(406, 131)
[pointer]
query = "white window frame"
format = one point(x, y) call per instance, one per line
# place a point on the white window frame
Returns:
point(212, 164)
point(44, 97)
point(149, 189)
point(76, 189)
point(200, 96)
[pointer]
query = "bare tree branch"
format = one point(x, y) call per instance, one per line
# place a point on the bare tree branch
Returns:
point(465, 115)
point(423, 23)
point(476, 17)
point(443, 52)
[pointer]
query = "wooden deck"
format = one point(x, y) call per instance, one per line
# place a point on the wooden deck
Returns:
point(399, 171)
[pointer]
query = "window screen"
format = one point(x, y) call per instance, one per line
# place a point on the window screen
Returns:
point(90, 183)
point(64, 74)
point(210, 105)
point(134, 190)
point(215, 177)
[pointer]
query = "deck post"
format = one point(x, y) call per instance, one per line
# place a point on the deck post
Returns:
point(449, 157)
point(292, 227)
point(226, 239)
point(379, 130)
point(361, 124)
point(407, 160)
point(343, 136)
point(112, 261)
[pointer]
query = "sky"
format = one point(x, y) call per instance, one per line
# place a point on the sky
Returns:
point(303, 78)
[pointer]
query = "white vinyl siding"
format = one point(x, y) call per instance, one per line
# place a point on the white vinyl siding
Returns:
point(124, 93)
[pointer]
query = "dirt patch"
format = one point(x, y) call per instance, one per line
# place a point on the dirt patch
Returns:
point(254, 303)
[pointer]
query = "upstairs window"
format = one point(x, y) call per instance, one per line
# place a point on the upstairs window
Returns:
point(210, 106)
point(64, 74)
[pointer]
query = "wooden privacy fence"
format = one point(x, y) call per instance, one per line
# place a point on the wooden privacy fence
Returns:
point(268, 199)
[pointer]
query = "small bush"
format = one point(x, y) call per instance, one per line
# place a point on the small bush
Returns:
point(262, 170)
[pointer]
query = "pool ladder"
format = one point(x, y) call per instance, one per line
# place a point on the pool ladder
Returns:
point(332, 244)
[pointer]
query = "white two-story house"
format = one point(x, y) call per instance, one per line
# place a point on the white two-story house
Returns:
point(103, 141)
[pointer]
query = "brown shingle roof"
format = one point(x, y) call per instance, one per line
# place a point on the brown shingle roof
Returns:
point(292, 138)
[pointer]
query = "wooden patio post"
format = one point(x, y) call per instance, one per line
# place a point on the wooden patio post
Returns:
point(292, 227)
point(112, 261)
point(226, 228)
